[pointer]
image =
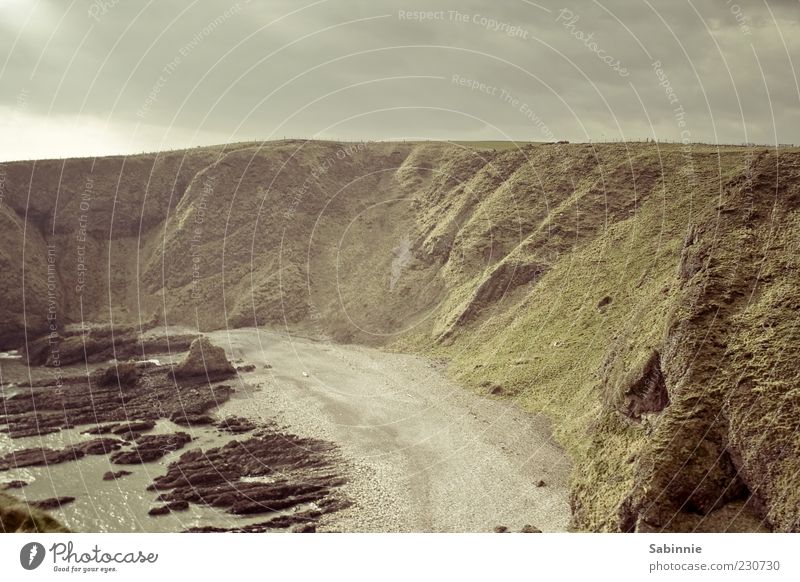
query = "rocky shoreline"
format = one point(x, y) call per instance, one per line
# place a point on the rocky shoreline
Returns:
point(289, 479)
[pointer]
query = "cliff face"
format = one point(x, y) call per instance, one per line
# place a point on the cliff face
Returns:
point(644, 296)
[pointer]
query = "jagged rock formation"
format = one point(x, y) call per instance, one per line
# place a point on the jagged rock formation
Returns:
point(123, 410)
point(267, 472)
point(271, 472)
point(645, 296)
point(206, 360)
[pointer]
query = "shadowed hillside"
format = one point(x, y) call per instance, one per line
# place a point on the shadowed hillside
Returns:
point(643, 296)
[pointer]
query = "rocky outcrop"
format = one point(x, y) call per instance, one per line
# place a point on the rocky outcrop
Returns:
point(169, 508)
point(44, 409)
point(45, 457)
point(262, 474)
point(646, 389)
point(127, 430)
point(114, 475)
point(101, 345)
point(51, 503)
point(269, 472)
point(150, 448)
point(121, 374)
point(204, 360)
point(235, 425)
point(184, 419)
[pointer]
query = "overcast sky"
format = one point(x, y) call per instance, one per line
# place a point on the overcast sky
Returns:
point(98, 77)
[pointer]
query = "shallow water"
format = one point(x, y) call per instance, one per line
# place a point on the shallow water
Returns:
point(120, 505)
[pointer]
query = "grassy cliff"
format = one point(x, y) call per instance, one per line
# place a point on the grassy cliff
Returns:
point(644, 296)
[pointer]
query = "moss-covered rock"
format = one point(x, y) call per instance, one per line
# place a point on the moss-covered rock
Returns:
point(18, 517)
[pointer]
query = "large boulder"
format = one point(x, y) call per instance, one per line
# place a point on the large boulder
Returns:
point(121, 373)
point(36, 352)
point(204, 359)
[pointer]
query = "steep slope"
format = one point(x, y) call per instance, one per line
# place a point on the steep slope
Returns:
point(645, 296)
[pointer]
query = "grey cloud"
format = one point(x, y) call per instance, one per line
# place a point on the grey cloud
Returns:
point(177, 67)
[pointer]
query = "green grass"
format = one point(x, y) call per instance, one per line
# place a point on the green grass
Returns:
point(17, 517)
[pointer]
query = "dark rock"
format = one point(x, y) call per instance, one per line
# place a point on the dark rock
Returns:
point(603, 304)
point(302, 520)
point(121, 374)
point(101, 345)
point(204, 360)
point(530, 529)
point(16, 484)
point(235, 425)
point(304, 528)
point(646, 390)
point(500, 529)
point(51, 503)
point(496, 390)
point(184, 419)
point(40, 411)
point(178, 506)
point(126, 430)
point(37, 351)
point(151, 448)
point(540, 483)
point(71, 350)
point(99, 446)
point(145, 364)
point(44, 456)
point(37, 457)
point(263, 474)
point(163, 510)
point(113, 476)
point(246, 368)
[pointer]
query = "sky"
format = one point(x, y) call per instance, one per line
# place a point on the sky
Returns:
point(103, 77)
